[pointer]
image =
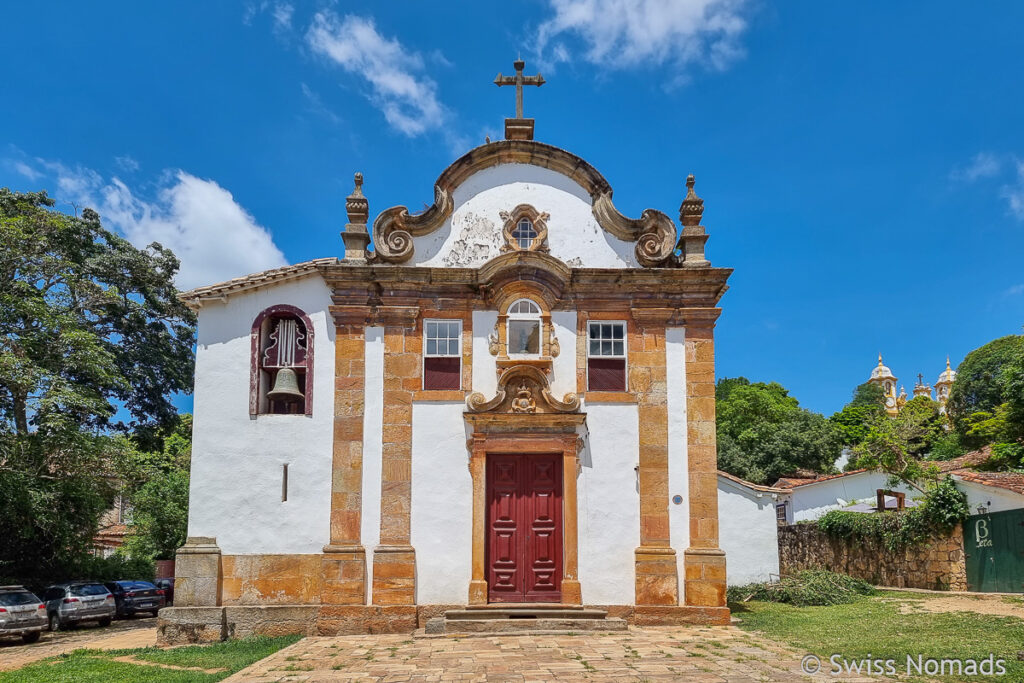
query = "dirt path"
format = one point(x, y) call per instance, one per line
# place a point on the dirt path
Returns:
point(995, 605)
point(121, 634)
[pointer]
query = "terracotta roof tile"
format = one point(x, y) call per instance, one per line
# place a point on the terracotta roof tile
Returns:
point(793, 482)
point(751, 485)
point(194, 297)
point(972, 459)
point(1011, 481)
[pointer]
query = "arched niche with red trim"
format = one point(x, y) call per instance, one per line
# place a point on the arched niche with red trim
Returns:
point(281, 337)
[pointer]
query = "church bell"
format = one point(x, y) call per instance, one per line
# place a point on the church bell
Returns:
point(286, 386)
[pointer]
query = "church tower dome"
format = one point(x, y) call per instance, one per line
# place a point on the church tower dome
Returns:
point(943, 385)
point(882, 377)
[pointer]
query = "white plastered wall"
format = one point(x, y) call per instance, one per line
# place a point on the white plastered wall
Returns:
point(609, 504)
point(989, 497)
point(811, 501)
point(747, 533)
point(235, 490)
point(473, 234)
point(678, 466)
point(373, 446)
point(442, 503)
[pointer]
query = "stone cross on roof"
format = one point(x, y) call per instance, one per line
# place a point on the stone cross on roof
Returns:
point(519, 128)
point(519, 80)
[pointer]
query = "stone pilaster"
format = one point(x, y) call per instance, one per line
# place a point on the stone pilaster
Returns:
point(343, 564)
point(197, 573)
point(657, 579)
point(703, 561)
point(394, 560)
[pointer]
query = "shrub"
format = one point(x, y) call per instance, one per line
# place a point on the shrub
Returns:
point(804, 589)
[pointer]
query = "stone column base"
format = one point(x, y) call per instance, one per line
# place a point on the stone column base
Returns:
point(394, 575)
point(672, 616)
point(343, 572)
point(572, 594)
point(704, 582)
point(197, 578)
point(478, 592)
point(657, 581)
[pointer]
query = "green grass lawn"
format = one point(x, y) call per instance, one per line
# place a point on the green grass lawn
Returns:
point(873, 626)
point(96, 666)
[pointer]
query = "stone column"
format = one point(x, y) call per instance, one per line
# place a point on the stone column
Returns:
point(657, 580)
point(343, 564)
point(197, 573)
point(704, 561)
point(571, 591)
point(478, 470)
point(394, 560)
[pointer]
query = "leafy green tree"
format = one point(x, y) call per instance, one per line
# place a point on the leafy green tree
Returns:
point(983, 382)
point(91, 333)
point(763, 433)
point(897, 445)
point(156, 485)
point(854, 421)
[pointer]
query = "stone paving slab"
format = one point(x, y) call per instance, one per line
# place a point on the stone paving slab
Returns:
point(721, 654)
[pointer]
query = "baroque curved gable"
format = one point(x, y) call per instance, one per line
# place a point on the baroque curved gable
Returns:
point(653, 234)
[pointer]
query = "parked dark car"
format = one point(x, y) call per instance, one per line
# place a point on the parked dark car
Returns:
point(133, 597)
point(167, 586)
point(21, 613)
point(68, 604)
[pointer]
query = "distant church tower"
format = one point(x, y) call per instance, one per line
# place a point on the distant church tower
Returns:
point(943, 385)
point(882, 377)
point(922, 388)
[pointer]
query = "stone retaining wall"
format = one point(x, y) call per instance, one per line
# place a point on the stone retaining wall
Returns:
point(938, 564)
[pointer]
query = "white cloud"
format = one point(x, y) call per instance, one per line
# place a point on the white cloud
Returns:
point(399, 86)
point(1015, 290)
point(214, 237)
point(629, 33)
point(127, 163)
point(282, 14)
point(26, 170)
point(983, 165)
point(1013, 193)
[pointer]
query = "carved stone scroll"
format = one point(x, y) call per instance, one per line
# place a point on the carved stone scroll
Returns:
point(394, 228)
point(523, 389)
point(654, 232)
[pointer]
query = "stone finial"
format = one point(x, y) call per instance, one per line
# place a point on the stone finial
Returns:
point(692, 208)
point(356, 236)
point(693, 236)
point(356, 205)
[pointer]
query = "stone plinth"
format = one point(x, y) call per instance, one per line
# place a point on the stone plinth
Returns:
point(197, 573)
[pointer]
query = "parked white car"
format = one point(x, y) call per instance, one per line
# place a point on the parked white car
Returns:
point(72, 603)
point(21, 613)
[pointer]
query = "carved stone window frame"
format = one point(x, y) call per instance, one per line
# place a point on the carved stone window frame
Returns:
point(540, 226)
point(255, 369)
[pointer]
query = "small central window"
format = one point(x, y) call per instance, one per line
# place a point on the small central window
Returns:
point(524, 233)
point(524, 328)
point(606, 356)
point(442, 354)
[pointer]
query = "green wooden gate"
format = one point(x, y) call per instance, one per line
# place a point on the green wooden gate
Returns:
point(994, 551)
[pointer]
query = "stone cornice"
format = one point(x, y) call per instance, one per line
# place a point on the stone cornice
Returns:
point(654, 232)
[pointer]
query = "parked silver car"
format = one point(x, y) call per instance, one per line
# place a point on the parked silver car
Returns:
point(21, 613)
point(72, 603)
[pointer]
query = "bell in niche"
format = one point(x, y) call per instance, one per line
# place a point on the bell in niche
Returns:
point(286, 386)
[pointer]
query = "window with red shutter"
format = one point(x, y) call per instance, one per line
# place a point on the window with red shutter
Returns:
point(442, 354)
point(606, 356)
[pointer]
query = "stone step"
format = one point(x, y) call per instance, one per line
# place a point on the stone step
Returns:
point(525, 613)
point(515, 625)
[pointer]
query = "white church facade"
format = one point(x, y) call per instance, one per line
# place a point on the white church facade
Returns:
point(507, 401)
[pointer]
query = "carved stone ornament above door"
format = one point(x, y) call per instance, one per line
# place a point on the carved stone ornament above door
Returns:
point(523, 389)
point(525, 229)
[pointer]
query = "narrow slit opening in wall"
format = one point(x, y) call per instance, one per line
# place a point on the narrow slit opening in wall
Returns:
point(284, 482)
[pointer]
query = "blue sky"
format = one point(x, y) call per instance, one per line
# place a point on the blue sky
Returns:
point(862, 165)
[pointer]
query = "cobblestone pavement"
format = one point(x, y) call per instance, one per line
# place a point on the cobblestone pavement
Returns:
point(709, 655)
point(121, 634)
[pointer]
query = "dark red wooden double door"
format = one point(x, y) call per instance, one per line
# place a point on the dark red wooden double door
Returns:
point(524, 528)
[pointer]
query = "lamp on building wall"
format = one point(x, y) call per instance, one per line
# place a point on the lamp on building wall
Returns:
point(982, 509)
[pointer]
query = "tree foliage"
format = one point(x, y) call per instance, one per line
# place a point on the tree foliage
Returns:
point(93, 340)
point(854, 421)
point(764, 434)
point(986, 379)
point(896, 445)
